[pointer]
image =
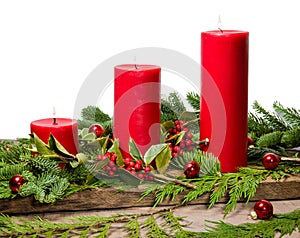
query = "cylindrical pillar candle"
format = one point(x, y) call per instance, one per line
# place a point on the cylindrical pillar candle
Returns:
point(224, 96)
point(65, 130)
point(137, 106)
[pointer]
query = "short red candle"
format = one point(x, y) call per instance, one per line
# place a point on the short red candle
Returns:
point(224, 96)
point(137, 106)
point(65, 130)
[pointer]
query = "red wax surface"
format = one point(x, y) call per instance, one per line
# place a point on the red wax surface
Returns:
point(65, 131)
point(224, 96)
point(137, 106)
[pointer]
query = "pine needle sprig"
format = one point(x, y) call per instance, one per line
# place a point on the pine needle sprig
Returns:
point(11, 153)
point(274, 121)
point(290, 115)
point(194, 100)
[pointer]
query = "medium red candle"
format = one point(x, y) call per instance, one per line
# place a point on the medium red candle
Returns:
point(224, 96)
point(65, 130)
point(137, 105)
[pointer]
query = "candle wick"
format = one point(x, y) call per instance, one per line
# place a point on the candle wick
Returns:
point(220, 30)
point(135, 66)
point(54, 121)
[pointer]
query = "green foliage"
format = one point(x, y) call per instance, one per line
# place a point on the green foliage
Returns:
point(162, 223)
point(93, 113)
point(274, 129)
point(171, 107)
point(194, 100)
point(283, 224)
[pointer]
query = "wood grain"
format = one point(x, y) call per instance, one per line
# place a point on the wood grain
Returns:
point(110, 198)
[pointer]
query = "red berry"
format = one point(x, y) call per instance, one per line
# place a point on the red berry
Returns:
point(127, 161)
point(97, 129)
point(111, 173)
point(147, 169)
point(186, 129)
point(270, 160)
point(250, 141)
point(137, 167)
point(16, 182)
point(189, 136)
point(132, 163)
point(263, 209)
point(139, 162)
point(140, 175)
point(192, 169)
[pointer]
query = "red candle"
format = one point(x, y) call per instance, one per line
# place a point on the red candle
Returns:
point(224, 96)
point(137, 106)
point(65, 130)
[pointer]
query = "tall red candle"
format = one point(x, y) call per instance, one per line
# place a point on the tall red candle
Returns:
point(224, 96)
point(65, 130)
point(137, 105)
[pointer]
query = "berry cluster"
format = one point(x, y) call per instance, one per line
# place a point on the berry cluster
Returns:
point(111, 167)
point(138, 169)
point(186, 143)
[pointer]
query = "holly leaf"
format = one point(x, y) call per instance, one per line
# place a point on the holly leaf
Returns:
point(163, 159)
point(178, 137)
point(78, 160)
point(41, 147)
point(187, 116)
point(153, 152)
point(89, 136)
point(128, 177)
point(134, 150)
point(58, 148)
point(168, 125)
point(116, 149)
point(103, 141)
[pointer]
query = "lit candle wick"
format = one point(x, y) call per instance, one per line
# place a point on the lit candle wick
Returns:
point(54, 116)
point(219, 23)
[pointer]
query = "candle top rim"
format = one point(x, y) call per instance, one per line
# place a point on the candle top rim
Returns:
point(49, 122)
point(136, 67)
point(225, 32)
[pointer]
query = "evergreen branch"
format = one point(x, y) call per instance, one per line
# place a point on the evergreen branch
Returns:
point(290, 115)
point(194, 100)
point(93, 113)
point(165, 224)
point(133, 228)
point(273, 120)
point(270, 140)
point(152, 228)
point(285, 224)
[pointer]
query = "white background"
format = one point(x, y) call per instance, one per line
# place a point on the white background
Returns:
point(48, 48)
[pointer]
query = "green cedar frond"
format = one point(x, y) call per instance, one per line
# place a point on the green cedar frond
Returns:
point(152, 228)
point(133, 228)
point(283, 224)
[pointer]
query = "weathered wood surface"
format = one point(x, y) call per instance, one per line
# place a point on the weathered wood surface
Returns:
point(100, 198)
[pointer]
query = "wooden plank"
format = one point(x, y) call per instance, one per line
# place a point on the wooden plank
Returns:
point(100, 198)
